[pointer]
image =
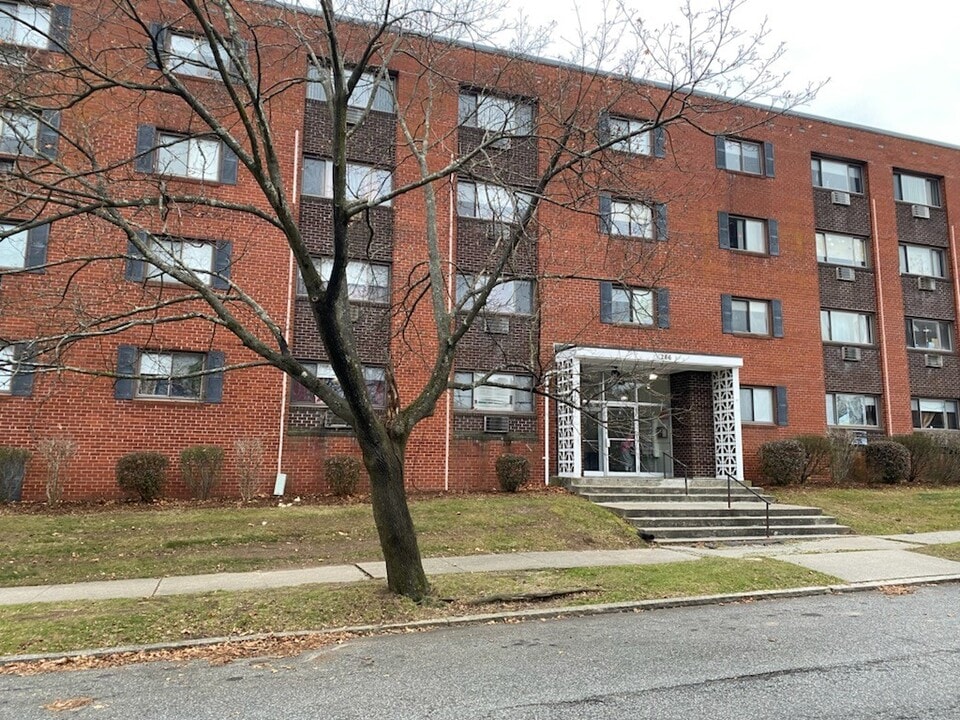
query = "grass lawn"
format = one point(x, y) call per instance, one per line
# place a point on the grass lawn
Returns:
point(69, 626)
point(181, 539)
point(948, 551)
point(883, 511)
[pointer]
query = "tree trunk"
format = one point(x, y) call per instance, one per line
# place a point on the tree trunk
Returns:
point(398, 538)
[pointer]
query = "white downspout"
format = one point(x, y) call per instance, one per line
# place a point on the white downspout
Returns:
point(450, 289)
point(546, 430)
point(884, 362)
point(281, 477)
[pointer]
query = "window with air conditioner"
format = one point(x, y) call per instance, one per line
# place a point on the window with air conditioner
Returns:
point(496, 392)
point(366, 282)
point(843, 326)
point(485, 201)
point(375, 379)
point(923, 334)
point(837, 175)
point(363, 182)
point(507, 297)
point(916, 189)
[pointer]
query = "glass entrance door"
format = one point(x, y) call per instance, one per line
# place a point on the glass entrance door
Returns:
point(621, 438)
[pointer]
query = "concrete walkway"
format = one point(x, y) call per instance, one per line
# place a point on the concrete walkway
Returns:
point(853, 559)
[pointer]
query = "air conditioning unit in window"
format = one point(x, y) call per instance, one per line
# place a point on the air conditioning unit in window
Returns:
point(354, 115)
point(497, 143)
point(496, 325)
point(850, 354)
point(846, 273)
point(498, 231)
point(933, 361)
point(334, 422)
point(926, 283)
point(920, 211)
point(496, 424)
point(838, 197)
point(858, 437)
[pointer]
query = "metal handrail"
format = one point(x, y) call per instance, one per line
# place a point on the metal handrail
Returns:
point(742, 484)
point(686, 470)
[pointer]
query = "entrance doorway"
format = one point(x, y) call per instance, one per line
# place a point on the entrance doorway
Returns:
point(625, 425)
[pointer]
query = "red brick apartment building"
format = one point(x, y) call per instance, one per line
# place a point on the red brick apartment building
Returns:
point(720, 292)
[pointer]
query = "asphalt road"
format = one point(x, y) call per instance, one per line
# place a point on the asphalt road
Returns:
point(862, 655)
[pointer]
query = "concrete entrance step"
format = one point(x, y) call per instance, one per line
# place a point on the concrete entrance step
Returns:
point(618, 496)
point(758, 539)
point(697, 534)
point(697, 521)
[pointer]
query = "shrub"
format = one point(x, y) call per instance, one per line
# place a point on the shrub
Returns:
point(201, 467)
point(343, 474)
point(56, 453)
point(817, 449)
point(513, 472)
point(945, 468)
point(887, 461)
point(142, 473)
point(782, 461)
point(13, 466)
point(249, 452)
point(843, 455)
point(925, 450)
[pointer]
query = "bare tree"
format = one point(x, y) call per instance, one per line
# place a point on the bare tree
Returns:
point(228, 73)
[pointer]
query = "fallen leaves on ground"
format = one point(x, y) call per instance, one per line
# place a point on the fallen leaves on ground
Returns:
point(69, 704)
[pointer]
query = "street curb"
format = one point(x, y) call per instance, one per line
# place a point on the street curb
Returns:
point(545, 614)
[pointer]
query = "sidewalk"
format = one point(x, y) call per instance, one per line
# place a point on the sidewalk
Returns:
point(853, 559)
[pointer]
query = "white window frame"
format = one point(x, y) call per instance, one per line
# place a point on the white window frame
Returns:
point(638, 306)
point(938, 339)
point(485, 201)
point(935, 258)
point(735, 158)
point(502, 393)
point(836, 402)
point(751, 310)
point(185, 253)
point(366, 282)
point(754, 233)
point(496, 114)
point(19, 132)
point(757, 405)
point(8, 358)
point(507, 297)
point(916, 189)
point(201, 160)
point(375, 378)
point(828, 243)
point(637, 144)
point(196, 56)
point(374, 89)
point(631, 219)
point(160, 368)
point(833, 321)
point(25, 24)
point(13, 248)
point(364, 182)
point(851, 173)
point(933, 408)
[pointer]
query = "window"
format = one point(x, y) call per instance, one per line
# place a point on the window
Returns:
point(193, 55)
point(375, 378)
point(13, 248)
point(747, 234)
point(7, 365)
point(363, 182)
point(365, 282)
point(171, 375)
point(502, 392)
point(837, 175)
point(916, 189)
point(756, 405)
point(934, 414)
point(192, 255)
point(750, 316)
point(841, 249)
point(374, 89)
point(25, 25)
point(491, 202)
point(852, 410)
point(633, 219)
point(929, 334)
point(840, 326)
point(197, 158)
point(921, 260)
point(638, 142)
point(508, 297)
point(18, 132)
point(496, 114)
point(16, 370)
point(632, 306)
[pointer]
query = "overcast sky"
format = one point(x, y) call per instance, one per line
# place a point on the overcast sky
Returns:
point(890, 66)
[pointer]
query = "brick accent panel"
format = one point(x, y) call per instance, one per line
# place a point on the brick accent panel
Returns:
point(853, 219)
point(934, 304)
point(852, 377)
point(372, 142)
point(859, 294)
point(370, 237)
point(479, 247)
point(934, 382)
point(921, 231)
point(470, 425)
point(691, 402)
point(371, 330)
point(513, 166)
